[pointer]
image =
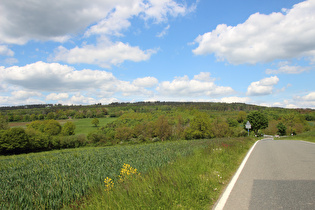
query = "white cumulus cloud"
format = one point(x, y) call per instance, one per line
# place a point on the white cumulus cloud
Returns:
point(309, 97)
point(201, 85)
point(54, 77)
point(103, 54)
point(145, 82)
point(59, 20)
point(262, 87)
point(57, 96)
point(263, 38)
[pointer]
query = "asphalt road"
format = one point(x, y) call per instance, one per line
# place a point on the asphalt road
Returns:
point(276, 175)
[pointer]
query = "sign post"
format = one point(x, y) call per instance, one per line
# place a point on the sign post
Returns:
point(248, 126)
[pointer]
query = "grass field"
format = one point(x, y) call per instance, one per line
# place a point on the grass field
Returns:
point(196, 169)
point(83, 126)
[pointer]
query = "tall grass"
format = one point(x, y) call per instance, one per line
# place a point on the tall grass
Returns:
point(189, 182)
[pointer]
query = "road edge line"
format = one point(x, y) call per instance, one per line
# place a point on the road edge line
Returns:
point(220, 205)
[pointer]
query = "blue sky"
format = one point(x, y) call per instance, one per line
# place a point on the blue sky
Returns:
point(87, 52)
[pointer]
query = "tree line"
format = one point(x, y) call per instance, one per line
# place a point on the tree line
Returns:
point(144, 123)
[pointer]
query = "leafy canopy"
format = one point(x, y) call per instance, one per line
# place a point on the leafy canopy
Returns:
point(257, 120)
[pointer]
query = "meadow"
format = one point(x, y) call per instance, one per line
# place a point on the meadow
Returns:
point(75, 177)
point(84, 126)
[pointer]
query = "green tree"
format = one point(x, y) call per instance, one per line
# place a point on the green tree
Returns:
point(232, 122)
point(52, 127)
point(14, 140)
point(163, 129)
point(50, 116)
point(282, 129)
point(4, 125)
point(257, 120)
point(68, 129)
point(95, 122)
point(33, 117)
point(41, 117)
point(200, 127)
point(241, 116)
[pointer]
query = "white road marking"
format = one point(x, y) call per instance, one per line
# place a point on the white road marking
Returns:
point(220, 205)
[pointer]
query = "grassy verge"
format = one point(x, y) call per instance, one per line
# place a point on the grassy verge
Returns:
point(307, 136)
point(189, 182)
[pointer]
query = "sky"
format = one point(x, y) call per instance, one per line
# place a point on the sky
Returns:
point(103, 51)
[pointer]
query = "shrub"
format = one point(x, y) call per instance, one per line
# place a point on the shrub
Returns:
point(14, 140)
point(96, 136)
point(38, 140)
point(95, 122)
point(68, 129)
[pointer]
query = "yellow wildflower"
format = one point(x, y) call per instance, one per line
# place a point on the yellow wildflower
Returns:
point(109, 184)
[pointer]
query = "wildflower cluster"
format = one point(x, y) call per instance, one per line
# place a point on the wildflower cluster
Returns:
point(126, 172)
point(109, 184)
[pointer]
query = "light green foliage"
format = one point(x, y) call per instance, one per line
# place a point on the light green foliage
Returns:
point(200, 127)
point(68, 129)
point(257, 120)
point(95, 122)
point(50, 127)
point(295, 123)
point(241, 116)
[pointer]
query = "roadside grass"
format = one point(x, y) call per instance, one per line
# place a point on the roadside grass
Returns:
point(306, 136)
point(190, 182)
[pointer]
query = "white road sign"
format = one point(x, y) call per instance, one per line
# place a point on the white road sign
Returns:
point(248, 125)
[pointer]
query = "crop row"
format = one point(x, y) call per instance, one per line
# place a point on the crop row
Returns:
point(53, 179)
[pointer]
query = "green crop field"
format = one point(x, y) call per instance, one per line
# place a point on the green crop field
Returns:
point(53, 179)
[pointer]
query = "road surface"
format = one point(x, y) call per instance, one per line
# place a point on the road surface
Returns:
point(277, 175)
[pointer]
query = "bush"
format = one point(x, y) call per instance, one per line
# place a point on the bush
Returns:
point(52, 127)
point(68, 129)
point(14, 141)
point(38, 140)
point(96, 136)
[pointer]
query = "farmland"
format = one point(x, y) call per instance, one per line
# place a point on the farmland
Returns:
point(52, 179)
point(175, 173)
